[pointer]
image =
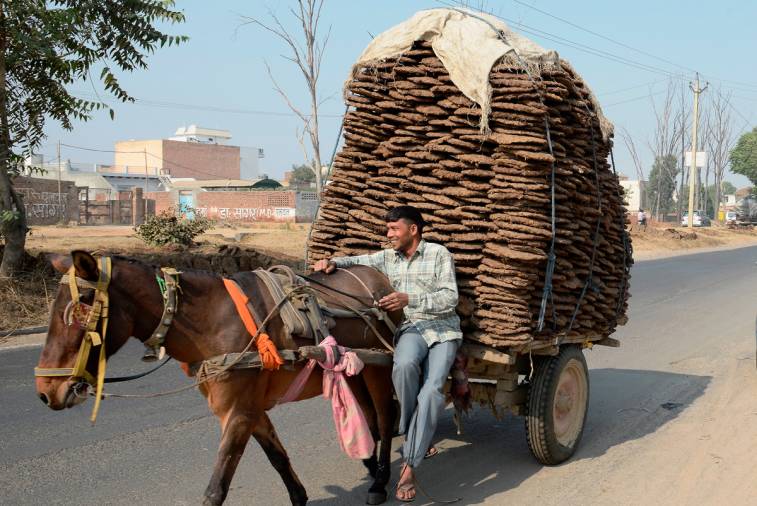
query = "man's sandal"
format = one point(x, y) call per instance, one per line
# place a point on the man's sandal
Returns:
point(405, 487)
point(432, 452)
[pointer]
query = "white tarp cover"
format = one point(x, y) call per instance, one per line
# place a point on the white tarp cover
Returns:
point(468, 45)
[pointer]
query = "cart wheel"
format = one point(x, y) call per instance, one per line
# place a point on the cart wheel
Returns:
point(557, 402)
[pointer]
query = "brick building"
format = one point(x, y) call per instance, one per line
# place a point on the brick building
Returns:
point(192, 152)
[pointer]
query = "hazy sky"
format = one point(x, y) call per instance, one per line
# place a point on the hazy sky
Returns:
point(218, 78)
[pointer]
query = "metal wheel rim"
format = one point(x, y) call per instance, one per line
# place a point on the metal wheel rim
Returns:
point(569, 403)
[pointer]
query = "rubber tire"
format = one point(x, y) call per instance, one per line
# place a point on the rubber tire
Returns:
point(539, 424)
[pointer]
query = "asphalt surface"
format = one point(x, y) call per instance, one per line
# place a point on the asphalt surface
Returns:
point(161, 451)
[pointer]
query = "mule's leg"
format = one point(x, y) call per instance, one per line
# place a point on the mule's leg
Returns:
point(378, 382)
point(265, 435)
point(236, 434)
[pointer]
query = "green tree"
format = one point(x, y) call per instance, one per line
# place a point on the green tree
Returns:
point(744, 156)
point(46, 46)
point(728, 188)
point(662, 185)
point(302, 175)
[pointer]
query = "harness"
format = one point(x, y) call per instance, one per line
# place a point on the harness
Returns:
point(291, 300)
point(97, 313)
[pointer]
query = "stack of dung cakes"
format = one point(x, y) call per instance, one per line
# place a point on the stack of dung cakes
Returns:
point(469, 122)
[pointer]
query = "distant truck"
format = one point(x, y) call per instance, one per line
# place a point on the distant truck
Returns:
point(746, 211)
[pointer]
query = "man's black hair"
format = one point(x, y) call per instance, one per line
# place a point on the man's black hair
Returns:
point(407, 213)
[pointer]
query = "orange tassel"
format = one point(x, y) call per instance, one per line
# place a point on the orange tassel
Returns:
point(269, 355)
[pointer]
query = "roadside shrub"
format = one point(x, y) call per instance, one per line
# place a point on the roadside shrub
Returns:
point(170, 227)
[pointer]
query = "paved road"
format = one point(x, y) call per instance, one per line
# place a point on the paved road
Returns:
point(161, 451)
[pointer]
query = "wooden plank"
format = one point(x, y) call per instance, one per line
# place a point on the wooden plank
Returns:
point(487, 354)
point(608, 341)
point(370, 357)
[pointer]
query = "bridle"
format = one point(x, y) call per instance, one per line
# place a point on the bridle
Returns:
point(96, 314)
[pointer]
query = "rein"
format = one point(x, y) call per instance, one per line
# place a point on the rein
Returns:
point(98, 313)
point(239, 356)
point(170, 288)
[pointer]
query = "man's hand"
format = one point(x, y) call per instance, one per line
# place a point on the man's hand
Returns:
point(325, 265)
point(394, 301)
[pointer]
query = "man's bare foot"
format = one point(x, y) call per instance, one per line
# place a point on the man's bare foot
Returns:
point(406, 485)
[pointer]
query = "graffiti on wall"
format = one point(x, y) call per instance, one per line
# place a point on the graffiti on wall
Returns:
point(247, 213)
point(43, 204)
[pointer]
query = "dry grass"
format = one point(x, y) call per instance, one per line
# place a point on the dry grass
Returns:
point(25, 299)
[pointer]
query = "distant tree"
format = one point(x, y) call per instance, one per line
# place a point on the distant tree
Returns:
point(744, 156)
point(662, 184)
point(719, 139)
point(302, 175)
point(728, 188)
point(306, 51)
point(46, 46)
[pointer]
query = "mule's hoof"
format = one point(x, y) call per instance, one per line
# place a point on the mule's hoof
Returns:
point(376, 498)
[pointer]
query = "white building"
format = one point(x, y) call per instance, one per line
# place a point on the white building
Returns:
point(193, 133)
point(635, 194)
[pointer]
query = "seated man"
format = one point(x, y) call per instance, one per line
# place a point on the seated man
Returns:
point(423, 277)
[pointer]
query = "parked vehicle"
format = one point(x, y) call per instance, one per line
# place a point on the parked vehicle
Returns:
point(700, 220)
point(730, 217)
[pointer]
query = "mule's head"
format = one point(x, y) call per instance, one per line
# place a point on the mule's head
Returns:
point(66, 329)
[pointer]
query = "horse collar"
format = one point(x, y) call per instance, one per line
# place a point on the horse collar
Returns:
point(169, 290)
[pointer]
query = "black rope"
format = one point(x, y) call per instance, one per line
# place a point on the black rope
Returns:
point(547, 294)
point(626, 250)
point(120, 379)
point(328, 175)
point(590, 276)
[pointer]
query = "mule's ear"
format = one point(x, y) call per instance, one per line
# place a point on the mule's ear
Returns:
point(86, 265)
point(61, 263)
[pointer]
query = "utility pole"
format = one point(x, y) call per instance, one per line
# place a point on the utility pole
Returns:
point(146, 181)
point(60, 200)
point(693, 170)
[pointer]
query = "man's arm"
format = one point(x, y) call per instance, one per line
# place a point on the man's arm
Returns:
point(445, 298)
point(375, 260)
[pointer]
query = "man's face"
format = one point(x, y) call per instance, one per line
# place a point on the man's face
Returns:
point(401, 234)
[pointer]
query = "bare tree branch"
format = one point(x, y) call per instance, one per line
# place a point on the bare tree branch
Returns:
point(307, 53)
point(631, 146)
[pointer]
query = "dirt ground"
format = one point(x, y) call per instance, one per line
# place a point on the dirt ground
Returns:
point(273, 239)
point(25, 304)
point(659, 242)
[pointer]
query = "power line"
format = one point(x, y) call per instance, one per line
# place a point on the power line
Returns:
point(648, 95)
point(211, 108)
point(644, 85)
point(592, 32)
point(605, 54)
point(191, 169)
point(581, 47)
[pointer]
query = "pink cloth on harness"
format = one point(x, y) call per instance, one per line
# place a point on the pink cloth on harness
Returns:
point(352, 430)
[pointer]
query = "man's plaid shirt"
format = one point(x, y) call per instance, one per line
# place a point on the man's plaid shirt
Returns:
point(428, 278)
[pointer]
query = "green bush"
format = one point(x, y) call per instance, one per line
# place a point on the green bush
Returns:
point(169, 227)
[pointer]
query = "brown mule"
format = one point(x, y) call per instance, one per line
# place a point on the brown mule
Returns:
point(207, 325)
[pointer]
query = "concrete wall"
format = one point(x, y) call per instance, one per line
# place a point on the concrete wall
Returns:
point(306, 206)
point(130, 157)
point(44, 205)
point(235, 207)
point(201, 161)
point(246, 206)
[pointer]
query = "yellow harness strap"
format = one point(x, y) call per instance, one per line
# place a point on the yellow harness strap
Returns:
point(99, 312)
point(101, 296)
